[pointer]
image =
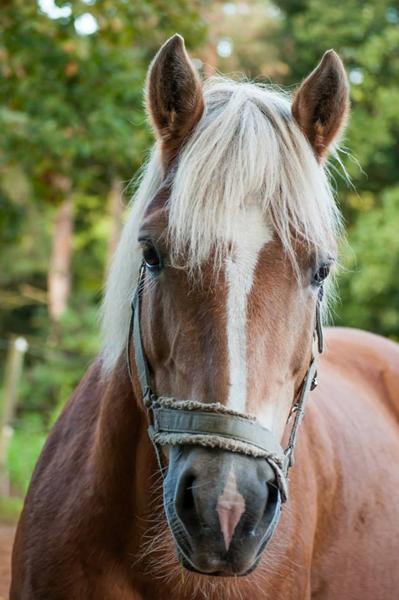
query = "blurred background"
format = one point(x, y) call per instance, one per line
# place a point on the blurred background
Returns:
point(73, 133)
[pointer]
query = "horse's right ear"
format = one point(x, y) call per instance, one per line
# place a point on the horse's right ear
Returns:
point(174, 97)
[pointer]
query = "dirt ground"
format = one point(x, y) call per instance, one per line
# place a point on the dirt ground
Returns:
point(6, 539)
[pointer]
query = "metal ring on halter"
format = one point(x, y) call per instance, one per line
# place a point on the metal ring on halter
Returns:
point(187, 422)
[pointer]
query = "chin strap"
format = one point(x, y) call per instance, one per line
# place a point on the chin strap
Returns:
point(175, 422)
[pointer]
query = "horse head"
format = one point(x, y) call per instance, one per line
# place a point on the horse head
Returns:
point(235, 227)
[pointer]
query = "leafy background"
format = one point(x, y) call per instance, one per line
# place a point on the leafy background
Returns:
point(73, 133)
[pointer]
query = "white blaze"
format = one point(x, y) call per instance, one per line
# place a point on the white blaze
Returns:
point(230, 507)
point(250, 236)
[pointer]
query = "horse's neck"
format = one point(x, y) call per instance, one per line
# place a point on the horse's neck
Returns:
point(125, 465)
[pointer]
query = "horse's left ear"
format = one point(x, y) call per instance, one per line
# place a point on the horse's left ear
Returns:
point(174, 97)
point(321, 104)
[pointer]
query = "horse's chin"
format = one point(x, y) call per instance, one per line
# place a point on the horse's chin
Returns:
point(203, 562)
point(224, 571)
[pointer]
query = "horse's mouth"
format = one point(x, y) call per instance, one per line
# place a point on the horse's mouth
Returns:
point(224, 569)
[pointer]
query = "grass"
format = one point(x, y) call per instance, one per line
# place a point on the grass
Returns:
point(10, 509)
point(23, 451)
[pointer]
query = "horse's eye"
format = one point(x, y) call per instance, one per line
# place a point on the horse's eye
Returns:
point(151, 256)
point(321, 274)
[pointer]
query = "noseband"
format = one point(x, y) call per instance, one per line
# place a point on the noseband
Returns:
point(188, 422)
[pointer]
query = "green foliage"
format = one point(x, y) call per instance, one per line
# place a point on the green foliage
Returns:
point(366, 35)
point(369, 284)
point(59, 364)
point(72, 123)
point(71, 105)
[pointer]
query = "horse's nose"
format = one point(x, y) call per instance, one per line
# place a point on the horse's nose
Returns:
point(202, 503)
point(221, 503)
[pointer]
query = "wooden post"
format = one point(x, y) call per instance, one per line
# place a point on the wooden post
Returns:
point(8, 401)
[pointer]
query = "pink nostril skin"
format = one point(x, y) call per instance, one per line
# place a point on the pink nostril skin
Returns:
point(230, 508)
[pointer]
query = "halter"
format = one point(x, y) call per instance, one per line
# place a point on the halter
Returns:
point(188, 422)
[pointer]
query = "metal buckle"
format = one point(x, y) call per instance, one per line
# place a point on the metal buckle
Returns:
point(147, 398)
point(314, 383)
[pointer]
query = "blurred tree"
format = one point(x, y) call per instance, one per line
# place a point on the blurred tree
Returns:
point(366, 35)
point(369, 284)
point(71, 101)
point(73, 132)
point(248, 50)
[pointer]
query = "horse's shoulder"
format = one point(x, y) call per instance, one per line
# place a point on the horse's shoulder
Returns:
point(357, 401)
point(365, 356)
point(364, 341)
point(351, 440)
point(61, 476)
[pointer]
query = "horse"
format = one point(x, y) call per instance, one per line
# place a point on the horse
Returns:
point(167, 472)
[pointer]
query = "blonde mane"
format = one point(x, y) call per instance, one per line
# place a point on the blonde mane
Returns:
point(247, 149)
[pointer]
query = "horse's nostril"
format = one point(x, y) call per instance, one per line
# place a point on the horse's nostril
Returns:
point(271, 499)
point(185, 501)
point(188, 495)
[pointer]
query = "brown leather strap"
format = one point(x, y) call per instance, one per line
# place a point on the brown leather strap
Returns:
point(135, 334)
point(299, 411)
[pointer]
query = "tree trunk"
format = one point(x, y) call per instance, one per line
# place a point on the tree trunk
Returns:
point(59, 275)
point(215, 20)
point(116, 207)
point(210, 59)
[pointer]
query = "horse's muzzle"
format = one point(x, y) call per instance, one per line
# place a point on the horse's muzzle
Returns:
point(222, 509)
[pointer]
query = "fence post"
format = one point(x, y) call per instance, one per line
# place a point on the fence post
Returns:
point(8, 401)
